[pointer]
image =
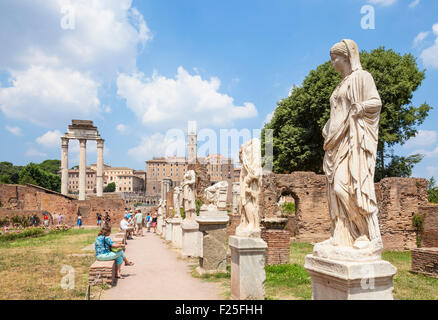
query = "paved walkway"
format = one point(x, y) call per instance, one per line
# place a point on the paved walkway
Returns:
point(158, 274)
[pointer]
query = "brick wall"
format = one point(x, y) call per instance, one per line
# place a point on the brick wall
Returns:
point(398, 200)
point(232, 224)
point(430, 225)
point(425, 261)
point(34, 199)
point(278, 245)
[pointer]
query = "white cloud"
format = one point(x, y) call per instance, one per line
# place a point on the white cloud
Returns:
point(50, 139)
point(46, 96)
point(420, 37)
point(122, 128)
point(165, 101)
point(32, 152)
point(432, 171)
point(105, 37)
point(383, 2)
point(414, 3)
point(424, 138)
point(430, 55)
point(158, 145)
point(107, 109)
point(269, 117)
point(15, 130)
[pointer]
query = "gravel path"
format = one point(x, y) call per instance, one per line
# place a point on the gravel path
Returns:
point(158, 274)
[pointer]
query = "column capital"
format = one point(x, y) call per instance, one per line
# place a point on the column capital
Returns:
point(65, 141)
point(100, 143)
point(83, 142)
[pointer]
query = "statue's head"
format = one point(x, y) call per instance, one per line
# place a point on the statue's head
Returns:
point(345, 56)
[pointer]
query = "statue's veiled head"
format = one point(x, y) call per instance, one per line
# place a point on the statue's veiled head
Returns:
point(345, 56)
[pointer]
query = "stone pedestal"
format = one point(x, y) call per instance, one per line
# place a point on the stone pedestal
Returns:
point(347, 280)
point(190, 239)
point(213, 256)
point(160, 225)
point(176, 233)
point(163, 233)
point(247, 268)
point(168, 230)
point(277, 237)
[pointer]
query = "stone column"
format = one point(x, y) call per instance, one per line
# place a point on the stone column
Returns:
point(82, 168)
point(99, 177)
point(64, 166)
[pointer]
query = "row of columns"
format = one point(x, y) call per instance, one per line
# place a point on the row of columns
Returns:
point(82, 167)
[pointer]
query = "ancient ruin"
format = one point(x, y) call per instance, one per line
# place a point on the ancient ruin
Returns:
point(82, 130)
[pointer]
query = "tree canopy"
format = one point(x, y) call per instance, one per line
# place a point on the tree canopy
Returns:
point(298, 120)
point(111, 187)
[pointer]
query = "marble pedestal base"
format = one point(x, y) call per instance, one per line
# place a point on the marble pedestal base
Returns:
point(213, 256)
point(168, 230)
point(342, 280)
point(190, 239)
point(176, 233)
point(248, 256)
point(160, 225)
point(163, 233)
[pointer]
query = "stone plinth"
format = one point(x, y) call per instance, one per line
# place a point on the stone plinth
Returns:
point(425, 261)
point(160, 225)
point(213, 257)
point(163, 233)
point(168, 230)
point(190, 239)
point(176, 233)
point(342, 280)
point(247, 268)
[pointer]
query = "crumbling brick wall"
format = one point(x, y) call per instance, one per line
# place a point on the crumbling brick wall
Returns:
point(278, 242)
point(232, 224)
point(202, 179)
point(398, 200)
point(425, 261)
point(429, 237)
point(35, 199)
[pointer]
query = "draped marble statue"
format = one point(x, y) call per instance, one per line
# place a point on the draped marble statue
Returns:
point(189, 198)
point(250, 188)
point(350, 145)
point(216, 195)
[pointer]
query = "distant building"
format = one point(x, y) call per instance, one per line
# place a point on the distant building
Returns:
point(126, 179)
point(218, 167)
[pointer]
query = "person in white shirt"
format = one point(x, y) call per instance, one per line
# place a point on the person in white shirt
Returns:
point(124, 226)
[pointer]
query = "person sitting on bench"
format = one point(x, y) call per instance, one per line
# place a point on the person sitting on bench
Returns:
point(125, 226)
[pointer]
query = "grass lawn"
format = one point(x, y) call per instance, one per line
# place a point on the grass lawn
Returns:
point(292, 281)
point(31, 268)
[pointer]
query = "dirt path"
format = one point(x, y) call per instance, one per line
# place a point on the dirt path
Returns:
point(158, 274)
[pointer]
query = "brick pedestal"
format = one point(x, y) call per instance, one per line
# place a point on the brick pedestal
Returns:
point(425, 261)
point(278, 245)
point(102, 272)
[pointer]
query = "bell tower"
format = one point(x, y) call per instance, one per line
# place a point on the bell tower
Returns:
point(192, 142)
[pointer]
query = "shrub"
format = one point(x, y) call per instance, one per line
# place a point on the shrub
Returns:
point(182, 213)
point(417, 223)
point(288, 208)
point(198, 204)
point(26, 233)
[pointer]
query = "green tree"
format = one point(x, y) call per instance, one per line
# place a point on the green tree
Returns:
point(433, 191)
point(298, 120)
point(52, 166)
point(111, 187)
point(9, 173)
point(33, 174)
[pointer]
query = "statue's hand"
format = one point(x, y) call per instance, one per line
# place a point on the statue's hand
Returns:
point(356, 110)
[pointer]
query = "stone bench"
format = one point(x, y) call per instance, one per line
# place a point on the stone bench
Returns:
point(121, 235)
point(102, 272)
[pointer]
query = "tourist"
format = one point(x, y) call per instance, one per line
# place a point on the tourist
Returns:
point(46, 220)
point(32, 220)
point(148, 222)
point(60, 217)
point(99, 219)
point(79, 220)
point(139, 223)
point(124, 226)
point(154, 221)
point(104, 248)
point(107, 220)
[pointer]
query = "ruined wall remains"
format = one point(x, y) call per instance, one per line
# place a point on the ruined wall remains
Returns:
point(21, 200)
point(398, 200)
point(429, 237)
point(202, 179)
point(169, 202)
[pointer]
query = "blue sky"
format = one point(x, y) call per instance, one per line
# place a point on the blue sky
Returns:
point(141, 68)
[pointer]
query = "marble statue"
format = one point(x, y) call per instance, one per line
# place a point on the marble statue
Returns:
point(177, 201)
point(350, 145)
point(189, 198)
point(216, 196)
point(250, 188)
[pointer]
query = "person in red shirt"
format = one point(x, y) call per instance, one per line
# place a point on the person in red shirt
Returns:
point(46, 220)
